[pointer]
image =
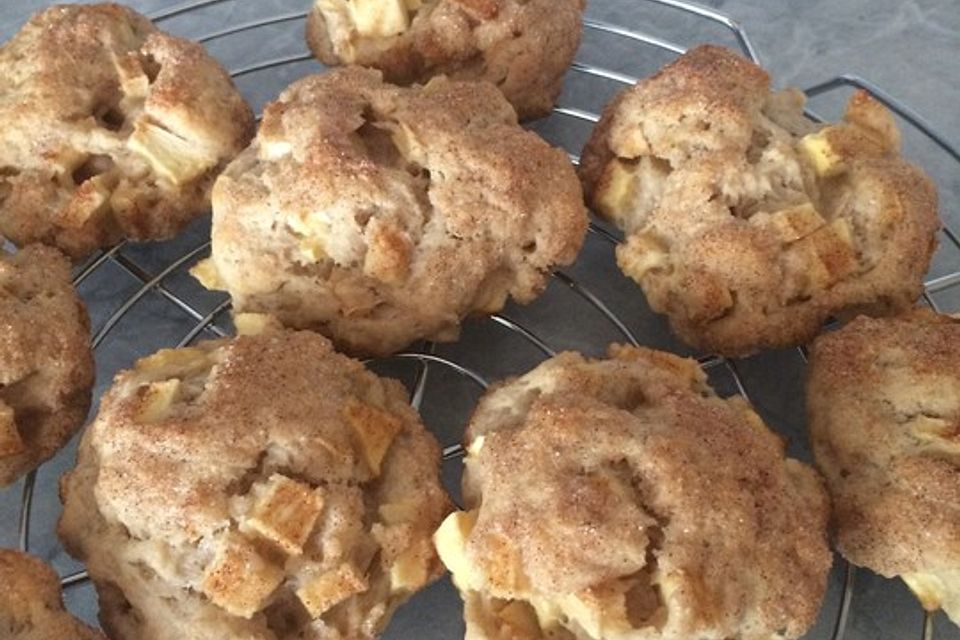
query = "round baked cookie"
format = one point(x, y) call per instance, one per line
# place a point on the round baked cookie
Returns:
point(747, 224)
point(46, 363)
point(622, 499)
point(523, 46)
point(380, 215)
point(263, 487)
point(883, 400)
point(111, 129)
point(31, 602)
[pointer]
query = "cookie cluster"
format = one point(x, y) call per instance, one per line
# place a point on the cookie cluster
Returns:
point(268, 486)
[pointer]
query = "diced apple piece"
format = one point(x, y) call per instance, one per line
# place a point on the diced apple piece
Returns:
point(475, 447)
point(928, 588)
point(330, 589)
point(158, 398)
point(379, 18)
point(252, 324)
point(207, 275)
point(88, 202)
point(411, 569)
point(503, 569)
point(375, 431)
point(451, 543)
point(172, 157)
point(400, 512)
point(239, 579)
point(618, 188)
point(642, 254)
point(518, 620)
point(944, 434)
point(820, 153)
point(184, 361)
point(407, 143)
point(284, 511)
point(792, 223)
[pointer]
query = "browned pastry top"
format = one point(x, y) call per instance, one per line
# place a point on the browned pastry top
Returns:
point(621, 498)
point(46, 362)
point(381, 215)
point(884, 409)
point(112, 129)
point(263, 488)
point(31, 602)
point(522, 46)
point(747, 224)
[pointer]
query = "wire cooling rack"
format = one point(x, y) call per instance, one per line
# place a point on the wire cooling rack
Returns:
point(141, 299)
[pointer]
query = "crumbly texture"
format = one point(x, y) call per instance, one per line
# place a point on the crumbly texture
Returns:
point(111, 129)
point(523, 46)
point(884, 412)
point(621, 498)
point(747, 224)
point(31, 602)
point(46, 363)
point(380, 215)
point(260, 488)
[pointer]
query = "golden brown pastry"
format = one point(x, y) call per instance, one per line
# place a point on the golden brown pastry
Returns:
point(111, 129)
point(380, 215)
point(31, 602)
point(884, 410)
point(46, 363)
point(523, 46)
point(259, 488)
point(747, 224)
point(622, 499)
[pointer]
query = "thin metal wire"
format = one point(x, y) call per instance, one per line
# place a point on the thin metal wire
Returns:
point(26, 501)
point(74, 579)
point(144, 277)
point(711, 14)
point(737, 380)
point(150, 285)
point(645, 38)
point(249, 26)
point(599, 304)
point(606, 74)
point(928, 625)
point(453, 452)
point(466, 372)
point(579, 114)
point(600, 232)
point(205, 322)
point(903, 110)
point(182, 8)
point(930, 301)
point(420, 382)
point(270, 64)
point(87, 270)
point(846, 598)
point(530, 336)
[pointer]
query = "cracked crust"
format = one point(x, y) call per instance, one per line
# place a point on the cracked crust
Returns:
point(379, 215)
point(884, 412)
point(261, 488)
point(31, 602)
point(523, 46)
point(621, 498)
point(747, 224)
point(46, 363)
point(112, 129)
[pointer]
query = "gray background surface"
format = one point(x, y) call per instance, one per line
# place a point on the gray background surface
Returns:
point(908, 48)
